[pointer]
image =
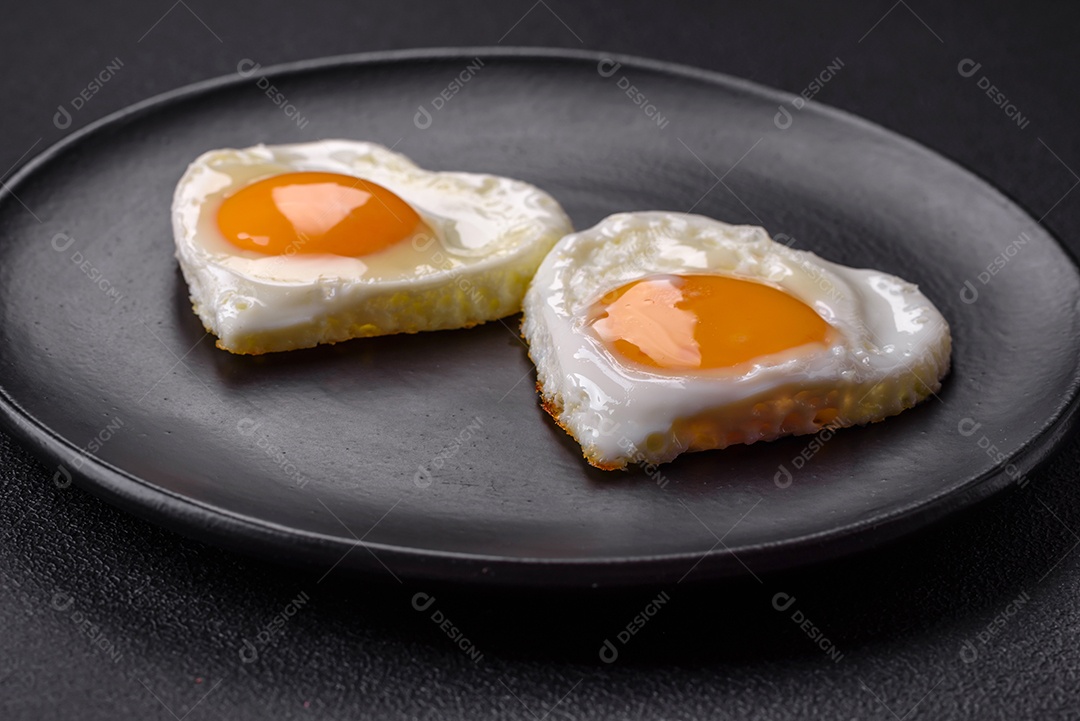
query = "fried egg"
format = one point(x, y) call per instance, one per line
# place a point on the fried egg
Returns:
point(657, 333)
point(290, 246)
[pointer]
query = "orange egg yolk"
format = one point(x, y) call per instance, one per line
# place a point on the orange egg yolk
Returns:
point(316, 213)
point(703, 321)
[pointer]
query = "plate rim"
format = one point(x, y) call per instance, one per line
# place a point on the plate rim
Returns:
point(204, 521)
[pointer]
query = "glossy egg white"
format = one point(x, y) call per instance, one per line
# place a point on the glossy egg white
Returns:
point(890, 350)
point(488, 235)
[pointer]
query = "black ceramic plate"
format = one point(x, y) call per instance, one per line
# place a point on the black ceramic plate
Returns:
point(428, 456)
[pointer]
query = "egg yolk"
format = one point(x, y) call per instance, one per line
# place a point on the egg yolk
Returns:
point(703, 321)
point(316, 213)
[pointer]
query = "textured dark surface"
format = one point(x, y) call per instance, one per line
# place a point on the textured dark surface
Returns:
point(911, 621)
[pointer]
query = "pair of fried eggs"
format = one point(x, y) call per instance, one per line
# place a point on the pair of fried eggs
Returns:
point(653, 333)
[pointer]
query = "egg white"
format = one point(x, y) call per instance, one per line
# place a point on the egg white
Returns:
point(488, 236)
point(890, 350)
